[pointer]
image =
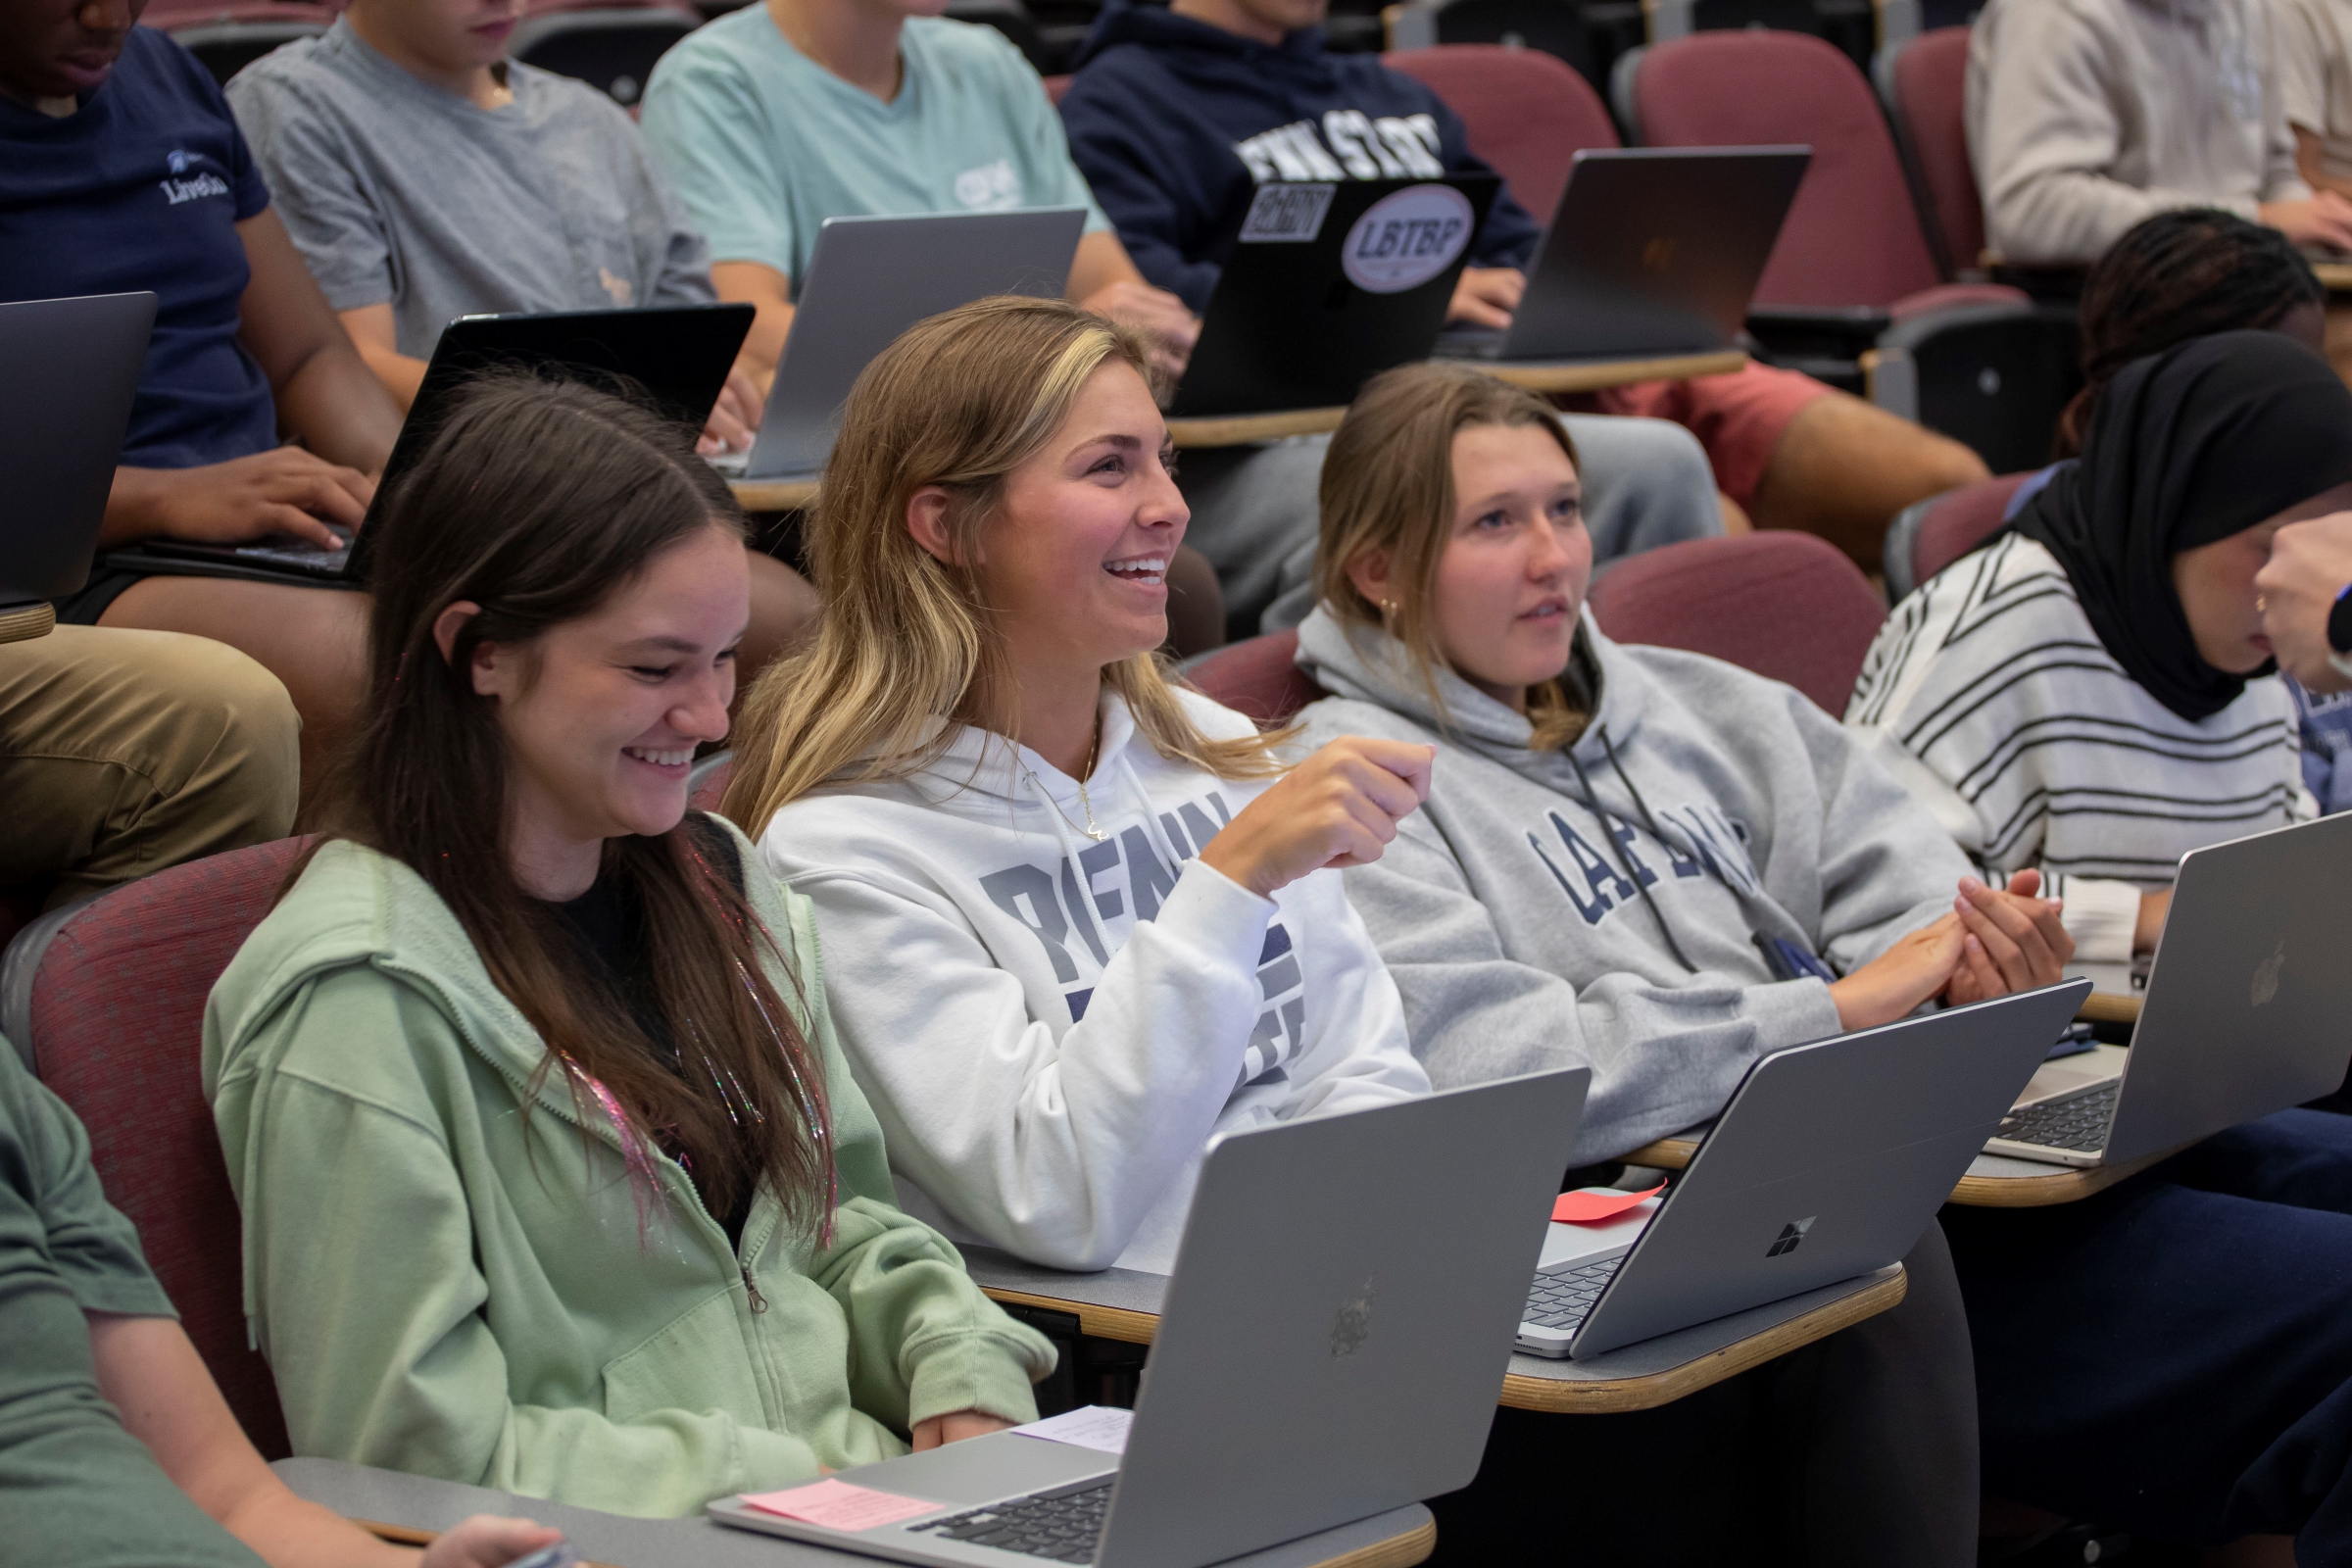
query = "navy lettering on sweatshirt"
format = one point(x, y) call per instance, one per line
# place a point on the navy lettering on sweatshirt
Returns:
point(1592, 869)
point(1175, 123)
point(1082, 913)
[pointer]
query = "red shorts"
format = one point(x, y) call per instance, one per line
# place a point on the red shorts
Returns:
point(1739, 417)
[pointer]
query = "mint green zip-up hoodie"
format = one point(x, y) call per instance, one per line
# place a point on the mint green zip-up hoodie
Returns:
point(437, 1295)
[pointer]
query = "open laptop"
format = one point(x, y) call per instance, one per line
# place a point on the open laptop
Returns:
point(64, 409)
point(871, 278)
point(1328, 1348)
point(1827, 1163)
point(1328, 284)
point(2245, 1013)
point(1651, 251)
point(676, 355)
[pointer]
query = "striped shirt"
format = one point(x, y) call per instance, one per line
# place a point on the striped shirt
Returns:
point(1990, 696)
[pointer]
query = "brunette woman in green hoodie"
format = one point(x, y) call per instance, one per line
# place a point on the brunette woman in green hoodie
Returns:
point(554, 1179)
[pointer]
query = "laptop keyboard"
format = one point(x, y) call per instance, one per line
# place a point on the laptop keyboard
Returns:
point(1063, 1524)
point(2078, 1123)
point(1562, 1301)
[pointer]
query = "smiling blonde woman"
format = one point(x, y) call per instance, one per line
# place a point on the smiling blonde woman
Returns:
point(1075, 918)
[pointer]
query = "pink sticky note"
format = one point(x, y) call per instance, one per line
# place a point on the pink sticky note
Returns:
point(1590, 1208)
point(837, 1505)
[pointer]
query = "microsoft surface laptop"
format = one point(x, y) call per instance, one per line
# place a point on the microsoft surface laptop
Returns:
point(1827, 1163)
point(1330, 1348)
point(65, 404)
point(1327, 285)
point(871, 278)
point(677, 356)
point(2245, 1011)
point(1651, 251)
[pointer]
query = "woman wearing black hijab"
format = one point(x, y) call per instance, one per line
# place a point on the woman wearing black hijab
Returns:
point(2090, 693)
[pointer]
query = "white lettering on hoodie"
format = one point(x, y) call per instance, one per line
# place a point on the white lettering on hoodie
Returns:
point(1051, 1026)
point(1352, 145)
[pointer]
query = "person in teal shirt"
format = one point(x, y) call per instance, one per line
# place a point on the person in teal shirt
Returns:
point(777, 116)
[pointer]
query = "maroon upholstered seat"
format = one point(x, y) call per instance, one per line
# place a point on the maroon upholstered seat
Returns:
point(1924, 83)
point(118, 1015)
point(1789, 605)
point(174, 15)
point(1259, 678)
point(1058, 85)
point(1853, 235)
point(1930, 535)
point(711, 776)
point(1527, 113)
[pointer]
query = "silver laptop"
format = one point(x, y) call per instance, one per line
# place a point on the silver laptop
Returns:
point(64, 406)
point(2246, 1006)
point(1330, 1348)
point(1828, 1163)
point(1652, 249)
point(871, 278)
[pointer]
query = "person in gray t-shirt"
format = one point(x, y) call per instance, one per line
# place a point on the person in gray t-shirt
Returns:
point(420, 184)
point(423, 176)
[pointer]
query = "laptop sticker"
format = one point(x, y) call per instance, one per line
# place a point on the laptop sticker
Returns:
point(1286, 214)
point(1091, 1426)
point(837, 1505)
point(1589, 1205)
point(1407, 238)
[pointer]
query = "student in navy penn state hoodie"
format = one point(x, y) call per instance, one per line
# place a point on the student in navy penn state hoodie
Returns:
point(1178, 112)
point(1175, 122)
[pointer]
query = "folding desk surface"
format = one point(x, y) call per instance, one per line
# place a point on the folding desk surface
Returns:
point(413, 1508)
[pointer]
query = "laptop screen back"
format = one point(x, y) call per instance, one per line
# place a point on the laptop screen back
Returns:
point(64, 406)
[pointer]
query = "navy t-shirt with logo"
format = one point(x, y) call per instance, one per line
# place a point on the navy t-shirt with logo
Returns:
point(142, 188)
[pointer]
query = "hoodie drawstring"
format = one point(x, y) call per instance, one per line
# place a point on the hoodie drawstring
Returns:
point(1625, 862)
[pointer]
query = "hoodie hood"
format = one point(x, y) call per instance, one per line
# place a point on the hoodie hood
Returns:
point(1155, 26)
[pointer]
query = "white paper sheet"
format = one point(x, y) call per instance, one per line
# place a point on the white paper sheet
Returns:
point(1091, 1426)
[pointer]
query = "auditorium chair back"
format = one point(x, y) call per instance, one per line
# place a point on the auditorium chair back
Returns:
point(1924, 84)
point(1788, 605)
point(1852, 237)
point(1259, 678)
point(116, 1026)
point(1526, 112)
point(1928, 535)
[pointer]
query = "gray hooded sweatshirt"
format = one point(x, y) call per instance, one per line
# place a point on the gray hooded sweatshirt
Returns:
point(1537, 918)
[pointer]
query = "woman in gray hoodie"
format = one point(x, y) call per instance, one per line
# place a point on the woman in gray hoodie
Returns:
point(1662, 867)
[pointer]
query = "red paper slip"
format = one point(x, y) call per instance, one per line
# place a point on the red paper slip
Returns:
point(1592, 1207)
point(837, 1505)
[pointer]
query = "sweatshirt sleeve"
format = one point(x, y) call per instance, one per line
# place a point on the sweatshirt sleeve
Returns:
point(1662, 1058)
point(2043, 134)
point(1887, 867)
point(366, 1294)
point(1051, 1148)
point(1165, 212)
point(924, 1340)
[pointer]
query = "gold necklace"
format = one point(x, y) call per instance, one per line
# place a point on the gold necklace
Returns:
point(1093, 754)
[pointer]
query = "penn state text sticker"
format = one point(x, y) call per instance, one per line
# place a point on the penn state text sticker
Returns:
point(1406, 239)
point(1286, 213)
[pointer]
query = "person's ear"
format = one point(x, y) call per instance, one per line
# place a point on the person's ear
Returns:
point(1369, 572)
point(927, 520)
point(485, 661)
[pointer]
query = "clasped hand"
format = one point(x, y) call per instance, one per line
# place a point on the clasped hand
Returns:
point(1994, 942)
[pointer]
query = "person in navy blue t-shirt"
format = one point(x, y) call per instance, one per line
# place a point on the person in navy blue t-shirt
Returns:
point(122, 168)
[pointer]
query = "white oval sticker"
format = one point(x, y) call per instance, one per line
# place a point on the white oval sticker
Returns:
point(1407, 238)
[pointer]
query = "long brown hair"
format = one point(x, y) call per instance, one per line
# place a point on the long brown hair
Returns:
point(1388, 485)
point(960, 401)
point(538, 501)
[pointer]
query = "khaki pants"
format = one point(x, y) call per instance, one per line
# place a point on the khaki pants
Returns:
point(125, 751)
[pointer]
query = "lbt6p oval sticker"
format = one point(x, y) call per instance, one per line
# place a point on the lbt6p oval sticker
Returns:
point(1406, 239)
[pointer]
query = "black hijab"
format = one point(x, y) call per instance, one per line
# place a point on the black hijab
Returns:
point(2188, 447)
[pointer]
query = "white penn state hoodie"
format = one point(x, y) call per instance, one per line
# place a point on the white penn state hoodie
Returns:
point(1050, 1025)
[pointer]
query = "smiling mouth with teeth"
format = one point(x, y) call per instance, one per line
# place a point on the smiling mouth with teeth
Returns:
point(1143, 569)
point(679, 757)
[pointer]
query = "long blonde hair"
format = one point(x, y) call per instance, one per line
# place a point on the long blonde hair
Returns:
point(1388, 485)
point(959, 402)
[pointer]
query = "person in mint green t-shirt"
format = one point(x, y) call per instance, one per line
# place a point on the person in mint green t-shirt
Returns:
point(777, 116)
